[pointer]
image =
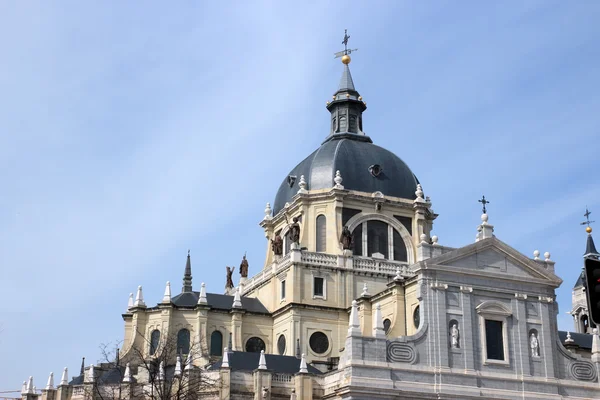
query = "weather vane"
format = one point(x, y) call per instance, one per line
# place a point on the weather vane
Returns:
point(587, 218)
point(484, 202)
point(345, 53)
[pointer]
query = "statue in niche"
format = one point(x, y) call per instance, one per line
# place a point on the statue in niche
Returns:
point(346, 239)
point(277, 245)
point(534, 344)
point(295, 231)
point(454, 336)
point(229, 283)
point(244, 267)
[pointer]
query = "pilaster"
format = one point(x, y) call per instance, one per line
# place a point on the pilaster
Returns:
point(440, 325)
point(48, 394)
point(202, 340)
point(545, 336)
point(468, 329)
point(366, 317)
point(225, 389)
point(63, 392)
point(521, 342)
point(303, 383)
point(262, 384)
point(236, 329)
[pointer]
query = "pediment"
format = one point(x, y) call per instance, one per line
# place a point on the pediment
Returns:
point(496, 258)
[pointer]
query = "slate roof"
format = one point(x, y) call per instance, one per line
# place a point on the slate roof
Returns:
point(580, 281)
point(111, 376)
point(219, 301)
point(583, 340)
point(244, 361)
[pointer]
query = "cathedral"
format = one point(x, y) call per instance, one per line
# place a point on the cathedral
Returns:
point(356, 300)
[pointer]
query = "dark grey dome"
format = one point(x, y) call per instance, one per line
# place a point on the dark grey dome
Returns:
point(354, 156)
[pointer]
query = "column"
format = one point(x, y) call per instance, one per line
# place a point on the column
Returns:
point(468, 330)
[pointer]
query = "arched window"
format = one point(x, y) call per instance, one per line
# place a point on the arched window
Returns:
point(255, 345)
point(183, 341)
point(321, 233)
point(387, 324)
point(333, 127)
point(342, 123)
point(352, 123)
point(399, 247)
point(216, 344)
point(377, 238)
point(154, 340)
point(585, 324)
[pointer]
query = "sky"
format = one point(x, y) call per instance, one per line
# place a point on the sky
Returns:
point(131, 132)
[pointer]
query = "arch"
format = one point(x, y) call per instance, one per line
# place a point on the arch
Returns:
point(494, 308)
point(154, 340)
point(216, 343)
point(358, 219)
point(183, 341)
point(343, 126)
point(321, 233)
point(387, 324)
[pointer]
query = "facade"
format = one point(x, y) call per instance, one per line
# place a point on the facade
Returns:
point(356, 299)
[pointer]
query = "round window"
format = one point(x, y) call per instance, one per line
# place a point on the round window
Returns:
point(281, 345)
point(386, 325)
point(319, 343)
point(255, 345)
point(417, 317)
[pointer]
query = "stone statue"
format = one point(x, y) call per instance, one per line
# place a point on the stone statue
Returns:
point(229, 283)
point(244, 267)
point(534, 344)
point(454, 336)
point(295, 231)
point(277, 245)
point(346, 239)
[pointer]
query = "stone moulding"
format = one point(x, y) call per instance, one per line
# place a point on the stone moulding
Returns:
point(401, 352)
point(583, 370)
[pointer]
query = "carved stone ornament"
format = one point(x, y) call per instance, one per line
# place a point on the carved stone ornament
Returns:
point(401, 352)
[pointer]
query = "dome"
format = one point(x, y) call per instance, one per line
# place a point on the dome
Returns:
point(364, 167)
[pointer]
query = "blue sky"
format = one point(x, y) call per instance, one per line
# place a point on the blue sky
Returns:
point(131, 132)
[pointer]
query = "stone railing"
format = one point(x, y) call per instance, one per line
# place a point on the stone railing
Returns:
point(382, 266)
point(283, 378)
point(326, 260)
point(78, 390)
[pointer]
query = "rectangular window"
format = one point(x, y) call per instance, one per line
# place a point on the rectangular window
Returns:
point(377, 238)
point(318, 284)
point(282, 290)
point(494, 340)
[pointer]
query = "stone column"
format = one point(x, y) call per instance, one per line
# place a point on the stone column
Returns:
point(236, 329)
point(303, 384)
point(63, 392)
point(262, 384)
point(48, 394)
point(441, 330)
point(202, 355)
point(225, 390)
point(468, 330)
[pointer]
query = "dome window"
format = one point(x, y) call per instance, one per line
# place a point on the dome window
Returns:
point(352, 123)
point(375, 170)
point(291, 179)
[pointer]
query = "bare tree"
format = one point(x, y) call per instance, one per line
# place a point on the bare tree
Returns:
point(164, 370)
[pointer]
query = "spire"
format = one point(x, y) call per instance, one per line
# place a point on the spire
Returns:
point(139, 298)
point(590, 247)
point(187, 275)
point(64, 380)
point(347, 105)
point(262, 362)
point(82, 370)
point(127, 374)
point(202, 297)
point(354, 325)
point(24, 388)
point(188, 363)
point(225, 362)
point(50, 384)
point(303, 366)
point(130, 302)
point(30, 385)
point(237, 300)
point(167, 296)
point(161, 371)
point(378, 329)
point(177, 366)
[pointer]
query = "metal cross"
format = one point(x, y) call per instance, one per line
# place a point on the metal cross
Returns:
point(346, 51)
point(484, 202)
point(587, 217)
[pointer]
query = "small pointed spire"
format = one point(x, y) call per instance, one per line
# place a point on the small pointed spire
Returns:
point(346, 82)
point(139, 298)
point(127, 374)
point(268, 211)
point(262, 362)
point(590, 246)
point(237, 300)
point(302, 185)
point(130, 302)
point(225, 362)
point(569, 340)
point(354, 325)
point(91, 376)
point(64, 380)
point(202, 297)
point(303, 366)
point(419, 193)
point(167, 297)
point(365, 290)
point(82, 370)
point(297, 348)
point(177, 366)
point(161, 371)
point(187, 276)
point(24, 388)
point(188, 363)
point(378, 330)
point(50, 384)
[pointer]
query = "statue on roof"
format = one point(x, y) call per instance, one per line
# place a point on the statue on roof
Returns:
point(244, 267)
point(277, 245)
point(346, 238)
point(229, 283)
point(294, 232)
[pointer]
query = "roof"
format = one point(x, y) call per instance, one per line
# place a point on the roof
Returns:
point(583, 340)
point(352, 155)
point(244, 361)
point(219, 301)
point(580, 281)
point(590, 247)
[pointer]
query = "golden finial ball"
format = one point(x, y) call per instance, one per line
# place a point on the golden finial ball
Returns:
point(588, 229)
point(360, 98)
point(346, 59)
point(327, 103)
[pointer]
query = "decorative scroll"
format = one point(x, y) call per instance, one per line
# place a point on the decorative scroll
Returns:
point(401, 352)
point(583, 371)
